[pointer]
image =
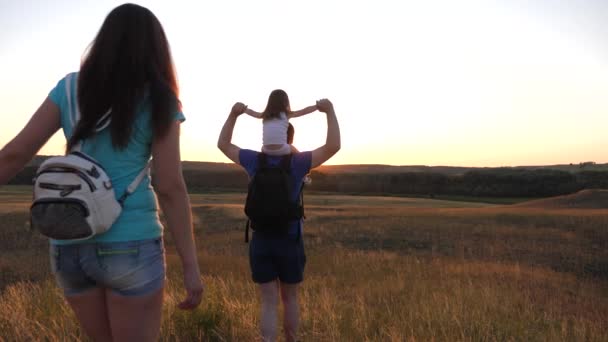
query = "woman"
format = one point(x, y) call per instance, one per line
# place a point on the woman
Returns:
point(114, 281)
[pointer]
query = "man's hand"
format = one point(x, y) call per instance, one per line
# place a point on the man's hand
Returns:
point(324, 105)
point(224, 142)
point(238, 109)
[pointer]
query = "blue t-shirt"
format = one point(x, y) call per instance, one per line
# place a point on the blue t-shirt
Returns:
point(139, 219)
point(300, 167)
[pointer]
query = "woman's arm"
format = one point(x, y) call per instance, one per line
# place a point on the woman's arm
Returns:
point(19, 151)
point(174, 201)
point(302, 112)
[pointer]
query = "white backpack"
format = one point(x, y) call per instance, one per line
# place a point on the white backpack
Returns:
point(73, 196)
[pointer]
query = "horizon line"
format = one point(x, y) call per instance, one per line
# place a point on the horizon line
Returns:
point(588, 162)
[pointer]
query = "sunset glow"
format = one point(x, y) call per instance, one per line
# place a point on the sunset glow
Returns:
point(467, 83)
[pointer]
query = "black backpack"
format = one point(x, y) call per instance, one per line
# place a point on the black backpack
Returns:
point(269, 207)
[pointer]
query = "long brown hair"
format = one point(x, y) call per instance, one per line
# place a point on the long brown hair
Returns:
point(278, 102)
point(128, 62)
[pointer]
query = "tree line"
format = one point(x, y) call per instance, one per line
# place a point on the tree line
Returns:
point(497, 182)
point(491, 182)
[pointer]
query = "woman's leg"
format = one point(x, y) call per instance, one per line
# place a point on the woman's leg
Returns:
point(291, 311)
point(134, 272)
point(270, 299)
point(92, 314)
point(86, 298)
point(135, 318)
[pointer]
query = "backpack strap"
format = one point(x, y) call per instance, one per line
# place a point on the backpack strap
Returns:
point(134, 184)
point(262, 162)
point(68, 94)
point(302, 200)
point(286, 165)
point(286, 162)
point(74, 110)
point(301, 207)
point(102, 123)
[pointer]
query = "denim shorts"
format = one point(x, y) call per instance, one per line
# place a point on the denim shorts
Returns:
point(129, 268)
point(272, 258)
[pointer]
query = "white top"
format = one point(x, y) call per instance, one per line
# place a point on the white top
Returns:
point(275, 130)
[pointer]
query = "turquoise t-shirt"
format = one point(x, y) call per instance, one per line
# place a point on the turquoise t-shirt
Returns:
point(139, 219)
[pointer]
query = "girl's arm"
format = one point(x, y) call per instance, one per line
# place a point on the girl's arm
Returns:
point(301, 112)
point(253, 113)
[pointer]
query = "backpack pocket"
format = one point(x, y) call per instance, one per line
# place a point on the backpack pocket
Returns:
point(61, 219)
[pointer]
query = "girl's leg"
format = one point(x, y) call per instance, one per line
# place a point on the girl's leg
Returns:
point(282, 150)
point(135, 318)
point(270, 300)
point(92, 314)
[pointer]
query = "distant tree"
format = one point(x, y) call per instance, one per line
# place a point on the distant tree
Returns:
point(585, 164)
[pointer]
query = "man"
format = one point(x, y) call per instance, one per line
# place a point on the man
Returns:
point(277, 262)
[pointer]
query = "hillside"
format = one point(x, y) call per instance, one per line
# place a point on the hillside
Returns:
point(584, 199)
point(451, 170)
point(379, 168)
point(209, 167)
point(382, 169)
point(416, 180)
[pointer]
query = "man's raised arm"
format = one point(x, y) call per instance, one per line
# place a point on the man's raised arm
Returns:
point(224, 143)
point(332, 142)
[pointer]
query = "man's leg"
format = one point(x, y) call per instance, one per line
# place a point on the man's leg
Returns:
point(291, 315)
point(268, 320)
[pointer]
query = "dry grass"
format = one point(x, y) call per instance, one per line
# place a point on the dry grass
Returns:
point(378, 270)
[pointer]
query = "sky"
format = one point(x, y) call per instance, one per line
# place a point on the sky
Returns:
point(460, 83)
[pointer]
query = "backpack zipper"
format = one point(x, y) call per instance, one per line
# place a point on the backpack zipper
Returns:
point(79, 173)
point(65, 189)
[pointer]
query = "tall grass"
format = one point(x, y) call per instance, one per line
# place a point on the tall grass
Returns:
point(374, 273)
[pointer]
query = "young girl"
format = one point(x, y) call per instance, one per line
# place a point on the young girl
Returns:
point(276, 122)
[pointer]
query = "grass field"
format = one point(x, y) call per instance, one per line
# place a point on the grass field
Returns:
point(379, 269)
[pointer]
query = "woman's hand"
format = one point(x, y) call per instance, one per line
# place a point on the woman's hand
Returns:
point(194, 288)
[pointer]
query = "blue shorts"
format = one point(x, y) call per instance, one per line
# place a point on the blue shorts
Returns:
point(130, 268)
point(272, 258)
